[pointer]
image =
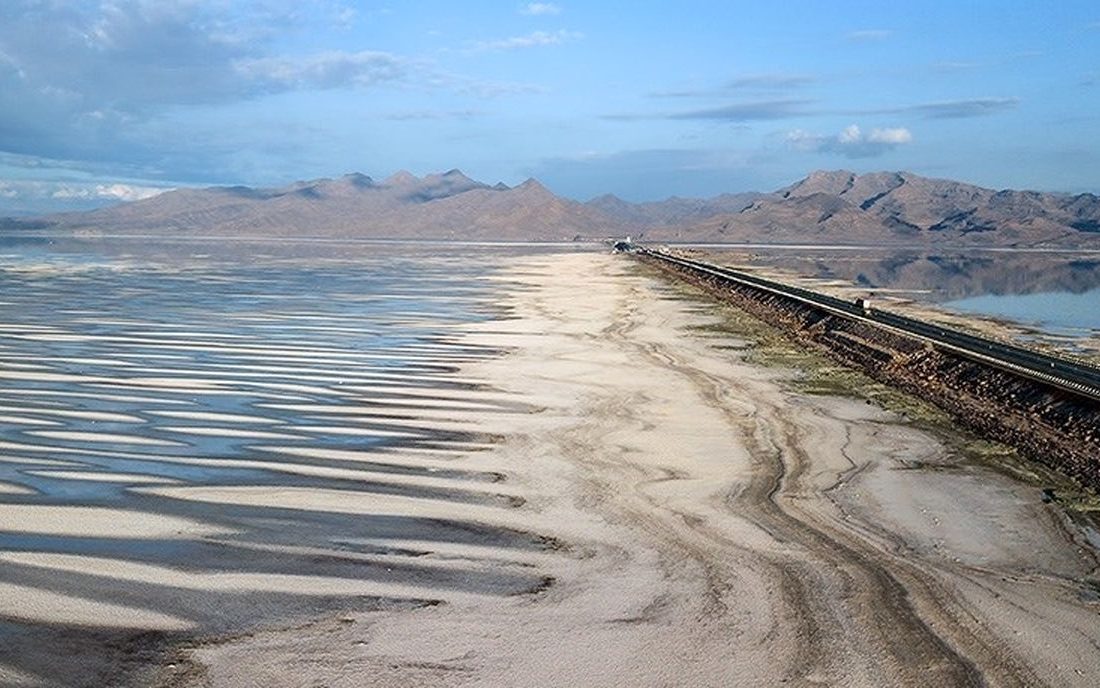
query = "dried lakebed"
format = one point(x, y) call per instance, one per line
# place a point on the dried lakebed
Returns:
point(575, 489)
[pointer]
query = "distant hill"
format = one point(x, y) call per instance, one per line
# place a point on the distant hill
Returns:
point(672, 211)
point(899, 208)
point(827, 207)
point(437, 206)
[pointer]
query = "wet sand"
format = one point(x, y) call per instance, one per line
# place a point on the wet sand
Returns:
point(712, 528)
point(203, 450)
point(628, 503)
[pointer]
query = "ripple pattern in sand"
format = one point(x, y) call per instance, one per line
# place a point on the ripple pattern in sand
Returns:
point(193, 449)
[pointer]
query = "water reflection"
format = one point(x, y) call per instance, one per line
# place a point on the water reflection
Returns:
point(1058, 312)
point(936, 277)
point(196, 436)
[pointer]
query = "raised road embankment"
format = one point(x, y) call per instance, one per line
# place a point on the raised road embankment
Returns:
point(1047, 407)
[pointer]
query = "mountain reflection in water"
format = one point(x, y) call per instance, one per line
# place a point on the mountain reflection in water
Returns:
point(935, 277)
point(1056, 292)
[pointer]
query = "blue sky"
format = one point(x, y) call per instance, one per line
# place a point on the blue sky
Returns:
point(107, 100)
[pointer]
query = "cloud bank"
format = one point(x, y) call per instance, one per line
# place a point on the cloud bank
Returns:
point(852, 142)
point(322, 71)
point(115, 83)
point(47, 195)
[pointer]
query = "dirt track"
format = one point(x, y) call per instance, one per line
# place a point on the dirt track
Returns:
point(714, 529)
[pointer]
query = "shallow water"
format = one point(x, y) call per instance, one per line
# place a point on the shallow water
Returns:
point(291, 415)
point(118, 364)
point(1055, 292)
point(1057, 312)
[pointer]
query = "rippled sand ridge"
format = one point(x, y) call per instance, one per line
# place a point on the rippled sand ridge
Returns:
point(210, 447)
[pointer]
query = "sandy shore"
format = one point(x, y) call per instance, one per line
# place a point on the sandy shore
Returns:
point(715, 529)
point(696, 523)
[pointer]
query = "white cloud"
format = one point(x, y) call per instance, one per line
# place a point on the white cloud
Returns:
point(851, 142)
point(115, 73)
point(117, 192)
point(540, 8)
point(531, 40)
point(866, 35)
point(851, 134)
point(127, 192)
point(802, 140)
point(896, 136)
point(8, 64)
point(67, 193)
point(35, 190)
point(333, 69)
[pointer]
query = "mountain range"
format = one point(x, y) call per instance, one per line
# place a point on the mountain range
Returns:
point(827, 207)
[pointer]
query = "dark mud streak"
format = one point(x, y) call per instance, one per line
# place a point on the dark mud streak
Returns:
point(882, 586)
point(1051, 426)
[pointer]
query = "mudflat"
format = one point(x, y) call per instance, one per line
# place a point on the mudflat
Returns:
point(630, 503)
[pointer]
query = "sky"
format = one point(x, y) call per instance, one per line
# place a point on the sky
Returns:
point(104, 101)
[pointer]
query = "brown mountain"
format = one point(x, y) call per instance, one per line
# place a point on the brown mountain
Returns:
point(672, 211)
point(835, 207)
point(900, 208)
point(437, 206)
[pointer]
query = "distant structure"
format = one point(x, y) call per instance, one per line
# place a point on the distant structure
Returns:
point(623, 245)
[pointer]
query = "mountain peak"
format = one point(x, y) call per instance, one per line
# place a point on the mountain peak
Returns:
point(840, 206)
point(401, 178)
point(531, 184)
point(830, 174)
point(534, 191)
point(452, 176)
point(358, 179)
point(608, 201)
point(831, 182)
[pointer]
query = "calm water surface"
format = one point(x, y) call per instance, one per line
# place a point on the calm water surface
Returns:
point(1057, 312)
point(140, 360)
point(1055, 292)
point(174, 414)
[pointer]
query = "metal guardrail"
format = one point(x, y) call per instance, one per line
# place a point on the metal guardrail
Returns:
point(1073, 376)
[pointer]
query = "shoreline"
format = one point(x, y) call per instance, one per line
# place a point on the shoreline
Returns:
point(904, 299)
point(716, 527)
point(619, 496)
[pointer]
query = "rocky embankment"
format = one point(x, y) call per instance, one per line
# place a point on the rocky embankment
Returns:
point(1056, 428)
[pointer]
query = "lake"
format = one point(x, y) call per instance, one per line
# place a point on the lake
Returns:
point(1066, 313)
point(199, 438)
point(1055, 292)
point(203, 436)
